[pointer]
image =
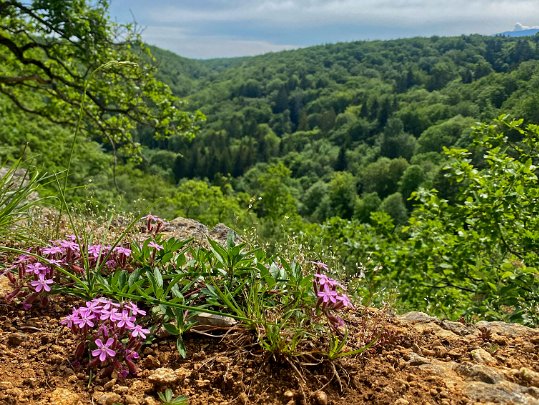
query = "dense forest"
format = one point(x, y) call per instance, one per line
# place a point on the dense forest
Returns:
point(368, 155)
point(368, 117)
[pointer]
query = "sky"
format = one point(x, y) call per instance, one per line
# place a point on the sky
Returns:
point(203, 29)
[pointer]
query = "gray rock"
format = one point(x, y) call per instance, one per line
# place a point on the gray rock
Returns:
point(205, 319)
point(479, 372)
point(503, 393)
point(416, 316)
point(482, 356)
point(508, 329)
point(415, 359)
point(457, 328)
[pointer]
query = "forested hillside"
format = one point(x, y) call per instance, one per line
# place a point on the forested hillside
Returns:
point(370, 118)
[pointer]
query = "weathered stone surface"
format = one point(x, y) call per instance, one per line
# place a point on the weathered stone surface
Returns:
point(415, 316)
point(482, 356)
point(107, 398)
point(63, 396)
point(205, 319)
point(163, 376)
point(480, 375)
point(184, 228)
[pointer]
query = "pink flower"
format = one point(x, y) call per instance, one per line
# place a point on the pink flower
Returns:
point(344, 301)
point(326, 297)
point(52, 250)
point(108, 313)
point(83, 317)
point(321, 265)
point(37, 268)
point(41, 284)
point(134, 309)
point(139, 331)
point(324, 281)
point(103, 349)
point(152, 244)
point(123, 319)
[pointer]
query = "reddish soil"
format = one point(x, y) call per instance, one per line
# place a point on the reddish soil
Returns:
point(36, 355)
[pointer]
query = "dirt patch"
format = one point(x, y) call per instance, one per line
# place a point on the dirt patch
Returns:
point(419, 360)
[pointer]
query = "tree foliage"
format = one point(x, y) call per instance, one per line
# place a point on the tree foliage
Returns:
point(61, 58)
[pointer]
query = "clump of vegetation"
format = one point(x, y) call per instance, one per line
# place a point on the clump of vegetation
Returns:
point(292, 308)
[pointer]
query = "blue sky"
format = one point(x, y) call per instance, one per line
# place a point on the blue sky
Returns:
point(224, 28)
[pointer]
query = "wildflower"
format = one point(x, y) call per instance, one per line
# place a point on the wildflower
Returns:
point(41, 284)
point(120, 250)
point(151, 221)
point(321, 266)
point(108, 313)
point(83, 317)
point(152, 244)
point(152, 218)
point(336, 321)
point(67, 320)
point(343, 301)
point(95, 251)
point(139, 331)
point(323, 280)
point(134, 309)
point(52, 250)
point(69, 244)
point(131, 354)
point(103, 349)
point(123, 319)
point(94, 306)
point(37, 268)
point(326, 297)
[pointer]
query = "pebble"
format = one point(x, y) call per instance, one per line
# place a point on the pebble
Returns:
point(151, 361)
point(63, 396)
point(107, 398)
point(120, 389)
point(482, 356)
point(163, 376)
point(5, 385)
point(320, 398)
point(131, 400)
point(530, 376)
point(289, 394)
point(150, 401)
point(15, 339)
point(479, 372)
point(108, 385)
point(243, 398)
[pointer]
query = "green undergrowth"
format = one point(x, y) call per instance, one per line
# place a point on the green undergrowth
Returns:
point(289, 306)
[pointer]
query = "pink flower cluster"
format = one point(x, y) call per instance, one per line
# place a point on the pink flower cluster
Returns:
point(36, 276)
point(110, 327)
point(329, 298)
point(67, 253)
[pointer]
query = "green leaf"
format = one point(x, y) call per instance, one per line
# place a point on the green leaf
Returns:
point(171, 328)
point(181, 347)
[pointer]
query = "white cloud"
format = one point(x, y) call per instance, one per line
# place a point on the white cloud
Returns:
point(211, 28)
point(522, 27)
point(310, 12)
point(180, 42)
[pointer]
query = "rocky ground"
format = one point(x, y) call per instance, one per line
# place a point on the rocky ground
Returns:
point(421, 360)
point(418, 360)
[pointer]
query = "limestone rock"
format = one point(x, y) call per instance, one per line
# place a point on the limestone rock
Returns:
point(163, 376)
point(63, 396)
point(107, 398)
